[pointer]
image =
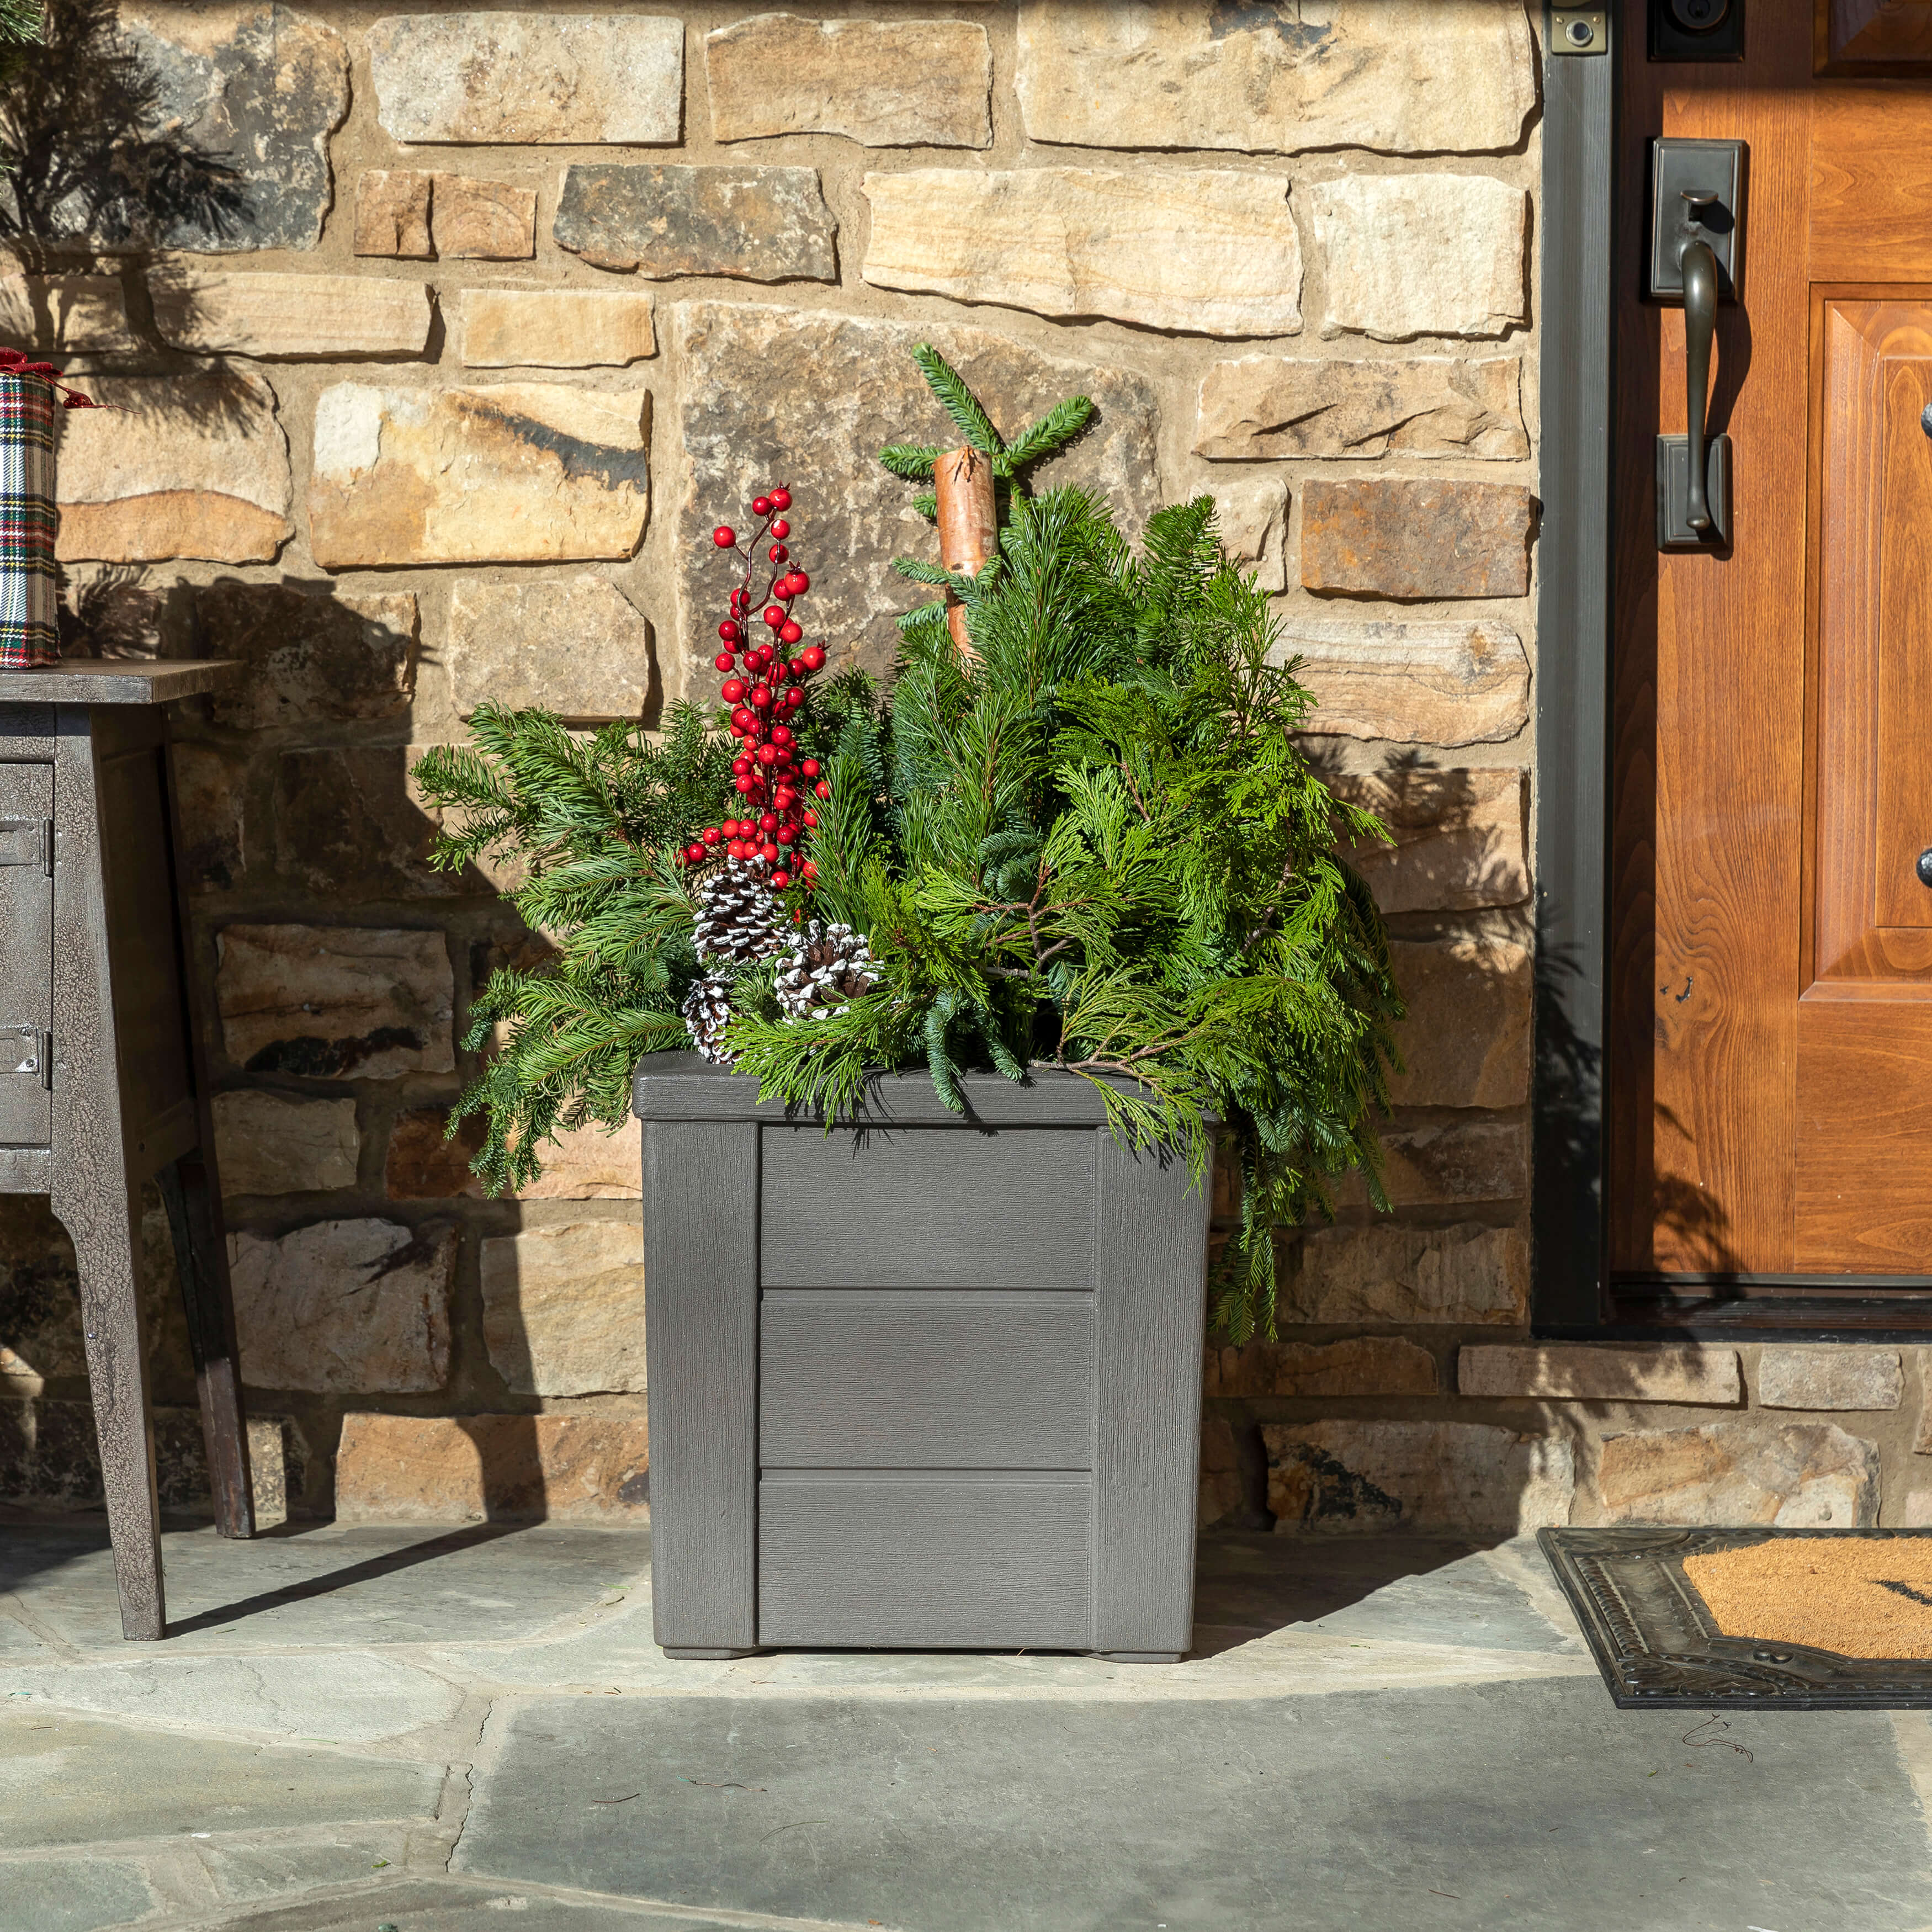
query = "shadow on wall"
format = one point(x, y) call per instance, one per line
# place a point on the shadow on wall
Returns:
point(371, 1274)
point(1408, 1396)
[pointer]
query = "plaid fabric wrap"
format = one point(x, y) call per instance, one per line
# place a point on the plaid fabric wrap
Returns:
point(29, 629)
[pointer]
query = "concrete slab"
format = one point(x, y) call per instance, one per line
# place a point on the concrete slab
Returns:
point(73, 1895)
point(361, 1585)
point(1510, 1807)
point(69, 1780)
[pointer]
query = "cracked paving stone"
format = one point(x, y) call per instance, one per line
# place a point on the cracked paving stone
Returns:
point(66, 1780)
point(1530, 1803)
point(344, 1697)
point(241, 1871)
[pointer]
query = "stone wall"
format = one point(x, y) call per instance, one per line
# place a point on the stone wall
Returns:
point(497, 314)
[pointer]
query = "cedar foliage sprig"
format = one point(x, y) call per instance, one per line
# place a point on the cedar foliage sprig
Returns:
point(594, 826)
point(1095, 844)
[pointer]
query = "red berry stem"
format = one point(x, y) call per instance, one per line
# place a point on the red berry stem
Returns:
point(765, 691)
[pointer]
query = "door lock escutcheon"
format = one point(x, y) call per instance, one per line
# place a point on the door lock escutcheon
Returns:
point(1696, 260)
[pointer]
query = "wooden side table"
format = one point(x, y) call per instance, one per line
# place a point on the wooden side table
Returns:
point(103, 1081)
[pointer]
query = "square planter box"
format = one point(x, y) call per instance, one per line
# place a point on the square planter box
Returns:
point(929, 1383)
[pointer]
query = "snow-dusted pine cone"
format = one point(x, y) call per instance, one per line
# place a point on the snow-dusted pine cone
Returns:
point(707, 1009)
point(738, 917)
point(827, 968)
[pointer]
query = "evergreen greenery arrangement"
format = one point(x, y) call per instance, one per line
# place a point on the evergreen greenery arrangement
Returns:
point(1091, 841)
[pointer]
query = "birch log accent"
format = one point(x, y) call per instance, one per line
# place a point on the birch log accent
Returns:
point(962, 480)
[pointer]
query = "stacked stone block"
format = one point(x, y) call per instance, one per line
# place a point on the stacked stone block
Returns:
point(523, 300)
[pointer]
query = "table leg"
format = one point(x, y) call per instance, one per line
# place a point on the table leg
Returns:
point(202, 1258)
point(104, 1220)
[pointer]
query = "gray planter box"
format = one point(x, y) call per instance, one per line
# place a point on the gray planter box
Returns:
point(929, 1384)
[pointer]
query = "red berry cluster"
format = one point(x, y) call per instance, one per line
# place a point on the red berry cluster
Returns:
point(765, 691)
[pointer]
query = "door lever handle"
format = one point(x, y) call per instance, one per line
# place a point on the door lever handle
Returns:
point(1700, 329)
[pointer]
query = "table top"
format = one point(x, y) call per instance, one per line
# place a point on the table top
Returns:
point(116, 681)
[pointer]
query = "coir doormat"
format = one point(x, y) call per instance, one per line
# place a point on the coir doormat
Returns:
point(1806, 1619)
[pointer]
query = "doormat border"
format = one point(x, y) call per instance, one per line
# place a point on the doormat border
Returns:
point(1658, 1648)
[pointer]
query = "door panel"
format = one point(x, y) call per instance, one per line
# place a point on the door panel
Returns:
point(1872, 912)
point(1771, 1050)
point(26, 952)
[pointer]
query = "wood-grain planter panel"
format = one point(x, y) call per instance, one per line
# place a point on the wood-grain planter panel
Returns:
point(926, 1383)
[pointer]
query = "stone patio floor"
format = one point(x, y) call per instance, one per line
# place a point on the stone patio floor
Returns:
point(355, 1729)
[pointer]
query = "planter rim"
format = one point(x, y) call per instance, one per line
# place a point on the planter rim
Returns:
point(687, 1086)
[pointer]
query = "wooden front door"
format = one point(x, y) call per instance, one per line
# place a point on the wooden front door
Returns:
point(1770, 1046)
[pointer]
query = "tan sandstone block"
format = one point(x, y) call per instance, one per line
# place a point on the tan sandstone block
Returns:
point(1789, 1475)
point(1399, 76)
point(843, 385)
point(882, 83)
point(392, 213)
point(1588, 1372)
point(470, 1468)
point(1468, 1274)
point(665, 219)
point(1480, 1159)
point(563, 1308)
point(335, 1002)
point(1352, 1476)
point(1465, 1041)
point(554, 328)
point(175, 467)
point(217, 312)
point(1209, 251)
point(77, 314)
point(1363, 1365)
point(345, 1307)
point(313, 652)
point(349, 825)
point(268, 1143)
point(424, 1162)
point(210, 785)
point(587, 1163)
point(1253, 517)
point(1402, 537)
point(529, 76)
point(1457, 837)
point(527, 472)
point(1831, 1377)
point(1441, 683)
point(1261, 407)
point(1411, 255)
point(504, 646)
point(473, 220)
point(258, 88)
point(1220, 1494)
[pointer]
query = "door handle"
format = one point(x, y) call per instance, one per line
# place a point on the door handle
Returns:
point(1699, 266)
point(1695, 258)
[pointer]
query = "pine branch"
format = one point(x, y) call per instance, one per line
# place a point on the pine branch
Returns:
point(957, 400)
point(913, 461)
point(1057, 427)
